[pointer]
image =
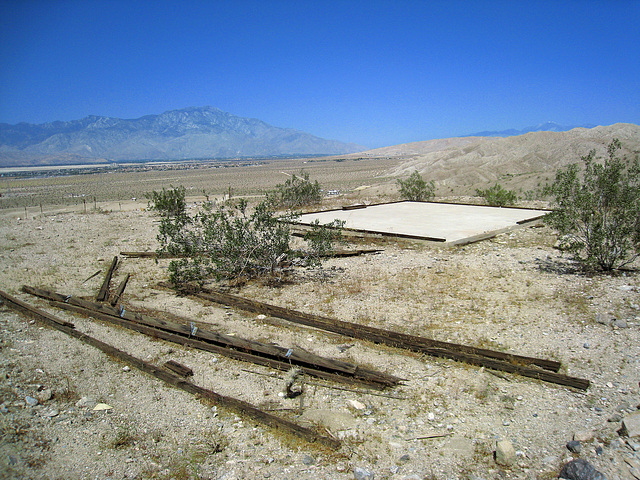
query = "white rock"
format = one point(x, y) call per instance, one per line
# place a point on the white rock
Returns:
point(505, 453)
point(631, 424)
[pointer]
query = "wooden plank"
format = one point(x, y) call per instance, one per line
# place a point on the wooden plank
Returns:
point(178, 368)
point(104, 289)
point(287, 356)
point(32, 311)
point(119, 291)
point(209, 347)
point(475, 356)
point(171, 378)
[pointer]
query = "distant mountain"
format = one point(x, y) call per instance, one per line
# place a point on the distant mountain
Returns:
point(543, 127)
point(196, 132)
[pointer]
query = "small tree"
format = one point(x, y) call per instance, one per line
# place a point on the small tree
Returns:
point(416, 189)
point(497, 196)
point(296, 192)
point(599, 216)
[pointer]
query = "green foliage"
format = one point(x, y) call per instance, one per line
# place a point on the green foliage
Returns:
point(231, 242)
point(321, 239)
point(599, 215)
point(296, 192)
point(416, 189)
point(497, 196)
point(168, 202)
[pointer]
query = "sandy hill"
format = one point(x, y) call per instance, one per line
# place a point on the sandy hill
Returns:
point(522, 163)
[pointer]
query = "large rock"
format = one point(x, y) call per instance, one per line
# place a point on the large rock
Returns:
point(631, 424)
point(505, 453)
point(580, 469)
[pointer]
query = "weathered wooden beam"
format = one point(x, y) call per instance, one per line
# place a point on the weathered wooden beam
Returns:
point(119, 291)
point(178, 368)
point(32, 311)
point(104, 289)
point(475, 356)
point(171, 378)
point(210, 347)
point(284, 356)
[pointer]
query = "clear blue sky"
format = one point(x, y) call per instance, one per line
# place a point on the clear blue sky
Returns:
point(371, 72)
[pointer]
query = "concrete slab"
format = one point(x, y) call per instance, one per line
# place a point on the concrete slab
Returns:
point(441, 222)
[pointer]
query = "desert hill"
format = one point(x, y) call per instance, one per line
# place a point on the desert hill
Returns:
point(522, 162)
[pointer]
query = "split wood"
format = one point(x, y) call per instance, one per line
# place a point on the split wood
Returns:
point(475, 356)
point(171, 378)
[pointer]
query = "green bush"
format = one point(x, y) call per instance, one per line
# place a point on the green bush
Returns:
point(497, 196)
point(296, 192)
point(598, 215)
point(416, 189)
point(234, 242)
point(168, 202)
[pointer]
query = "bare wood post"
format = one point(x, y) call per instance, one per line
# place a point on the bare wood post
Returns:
point(104, 290)
point(84, 201)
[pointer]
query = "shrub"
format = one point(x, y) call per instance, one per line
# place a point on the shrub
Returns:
point(296, 192)
point(497, 196)
point(416, 189)
point(232, 242)
point(321, 239)
point(599, 215)
point(168, 202)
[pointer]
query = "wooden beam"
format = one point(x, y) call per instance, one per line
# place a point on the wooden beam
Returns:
point(119, 291)
point(175, 380)
point(285, 356)
point(476, 356)
point(104, 289)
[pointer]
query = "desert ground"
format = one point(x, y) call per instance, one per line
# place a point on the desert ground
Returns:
point(515, 293)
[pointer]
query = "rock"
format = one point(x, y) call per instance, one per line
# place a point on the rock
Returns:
point(102, 406)
point(45, 395)
point(4, 409)
point(580, 469)
point(583, 436)
point(308, 460)
point(505, 453)
point(86, 402)
point(604, 319)
point(615, 418)
point(619, 323)
point(363, 474)
point(403, 459)
point(631, 424)
point(355, 404)
point(574, 446)
point(635, 446)
point(30, 401)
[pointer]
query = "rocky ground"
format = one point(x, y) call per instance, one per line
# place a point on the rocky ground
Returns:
point(68, 411)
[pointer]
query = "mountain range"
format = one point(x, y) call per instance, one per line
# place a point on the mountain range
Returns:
point(195, 132)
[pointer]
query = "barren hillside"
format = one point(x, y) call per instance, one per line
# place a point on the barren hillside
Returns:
point(522, 163)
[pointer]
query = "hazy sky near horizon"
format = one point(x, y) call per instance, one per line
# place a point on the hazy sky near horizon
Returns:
point(372, 72)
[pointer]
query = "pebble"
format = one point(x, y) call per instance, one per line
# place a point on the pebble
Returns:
point(30, 401)
point(45, 395)
point(308, 460)
point(360, 473)
point(574, 446)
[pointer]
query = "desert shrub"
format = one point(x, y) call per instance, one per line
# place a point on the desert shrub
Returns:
point(598, 215)
point(497, 196)
point(416, 189)
point(168, 202)
point(232, 242)
point(321, 240)
point(297, 191)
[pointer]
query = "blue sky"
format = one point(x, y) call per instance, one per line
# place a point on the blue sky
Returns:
point(371, 72)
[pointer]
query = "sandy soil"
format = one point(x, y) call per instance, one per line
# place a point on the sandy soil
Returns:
point(514, 293)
